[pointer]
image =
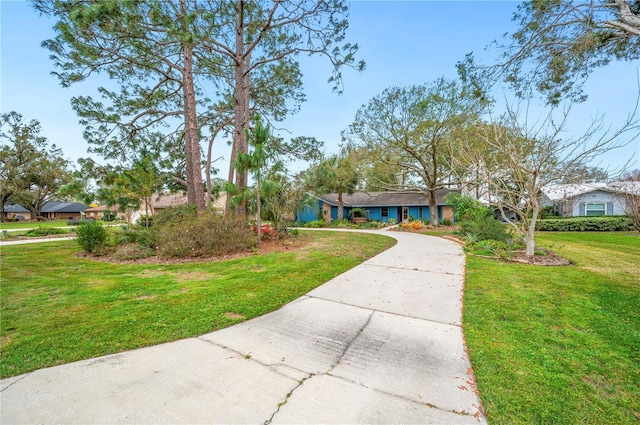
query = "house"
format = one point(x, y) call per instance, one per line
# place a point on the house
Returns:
point(55, 210)
point(99, 212)
point(17, 212)
point(52, 210)
point(161, 201)
point(586, 199)
point(379, 206)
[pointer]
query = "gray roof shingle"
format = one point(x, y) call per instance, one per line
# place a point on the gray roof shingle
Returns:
point(383, 199)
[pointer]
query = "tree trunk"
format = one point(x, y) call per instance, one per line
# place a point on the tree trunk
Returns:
point(258, 218)
point(433, 208)
point(241, 107)
point(530, 244)
point(208, 172)
point(195, 191)
point(227, 203)
point(146, 213)
point(529, 241)
point(340, 205)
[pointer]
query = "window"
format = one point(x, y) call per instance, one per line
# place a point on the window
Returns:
point(596, 209)
point(384, 212)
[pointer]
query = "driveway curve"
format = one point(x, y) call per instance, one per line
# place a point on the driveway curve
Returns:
point(381, 343)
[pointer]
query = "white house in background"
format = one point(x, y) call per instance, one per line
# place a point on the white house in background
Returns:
point(586, 199)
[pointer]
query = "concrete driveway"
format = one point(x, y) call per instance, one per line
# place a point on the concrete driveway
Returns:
point(381, 343)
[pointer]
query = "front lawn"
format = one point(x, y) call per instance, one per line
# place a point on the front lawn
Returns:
point(28, 224)
point(58, 308)
point(558, 344)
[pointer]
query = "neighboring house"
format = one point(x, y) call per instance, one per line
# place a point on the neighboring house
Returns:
point(53, 210)
point(99, 212)
point(161, 201)
point(585, 199)
point(380, 206)
point(16, 211)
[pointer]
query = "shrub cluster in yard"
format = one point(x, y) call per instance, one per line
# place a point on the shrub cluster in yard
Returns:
point(411, 225)
point(585, 224)
point(91, 237)
point(343, 224)
point(485, 228)
point(202, 235)
point(45, 231)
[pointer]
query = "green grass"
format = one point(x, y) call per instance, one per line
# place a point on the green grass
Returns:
point(32, 224)
point(57, 308)
point(558, 345)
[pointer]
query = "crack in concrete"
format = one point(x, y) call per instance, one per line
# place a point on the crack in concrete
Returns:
point(401, 397)
point(336, 363)
point(272, 366)
point(458, 325)
point(15, 382)
point(350, 343)
point(413, 270)
point(286, 399)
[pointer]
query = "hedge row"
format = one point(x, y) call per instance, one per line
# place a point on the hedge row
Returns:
point(585, 224)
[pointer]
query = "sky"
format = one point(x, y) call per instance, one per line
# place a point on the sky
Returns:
point(402, 42)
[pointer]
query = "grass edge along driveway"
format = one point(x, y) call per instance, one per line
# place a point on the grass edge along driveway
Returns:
point(558, 345)
point(58, 308)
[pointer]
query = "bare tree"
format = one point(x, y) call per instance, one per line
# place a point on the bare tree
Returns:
point(632, 204)
point(629, 187)
point(559, 43)
point(521, 157)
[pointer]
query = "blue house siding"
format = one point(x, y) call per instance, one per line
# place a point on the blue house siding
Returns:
point(372, 213)
point(394, 204)
point(309, 213)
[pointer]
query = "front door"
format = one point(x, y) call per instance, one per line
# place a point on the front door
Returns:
point(405, 214)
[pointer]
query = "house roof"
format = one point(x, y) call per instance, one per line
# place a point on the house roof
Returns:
point(63, 207)
point(559, 192)
point(13, 208)
point(50, 207)
point(168, 200)
point(382, 199)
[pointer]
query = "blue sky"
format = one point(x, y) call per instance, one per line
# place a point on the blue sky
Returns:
point(403, 43)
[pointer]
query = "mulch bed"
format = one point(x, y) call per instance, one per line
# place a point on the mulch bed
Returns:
point(548, 259)
point(265, 247)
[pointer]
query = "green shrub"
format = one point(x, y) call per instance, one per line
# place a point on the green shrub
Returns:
point(176, 213)
point(446, 222)
point(370, 225)
point(471, 237)
point(485, 228)
point(485, 247)
point(341, 223)
point(548, 212)
point(357, 212)
point(126, 234)
point(586, 224)
point(316, 224)
point(204, 235)
point(391, 221)
point(144, 221)
point(148, 238)
point(466, 208)
point(91, 237)
point(45, 231)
